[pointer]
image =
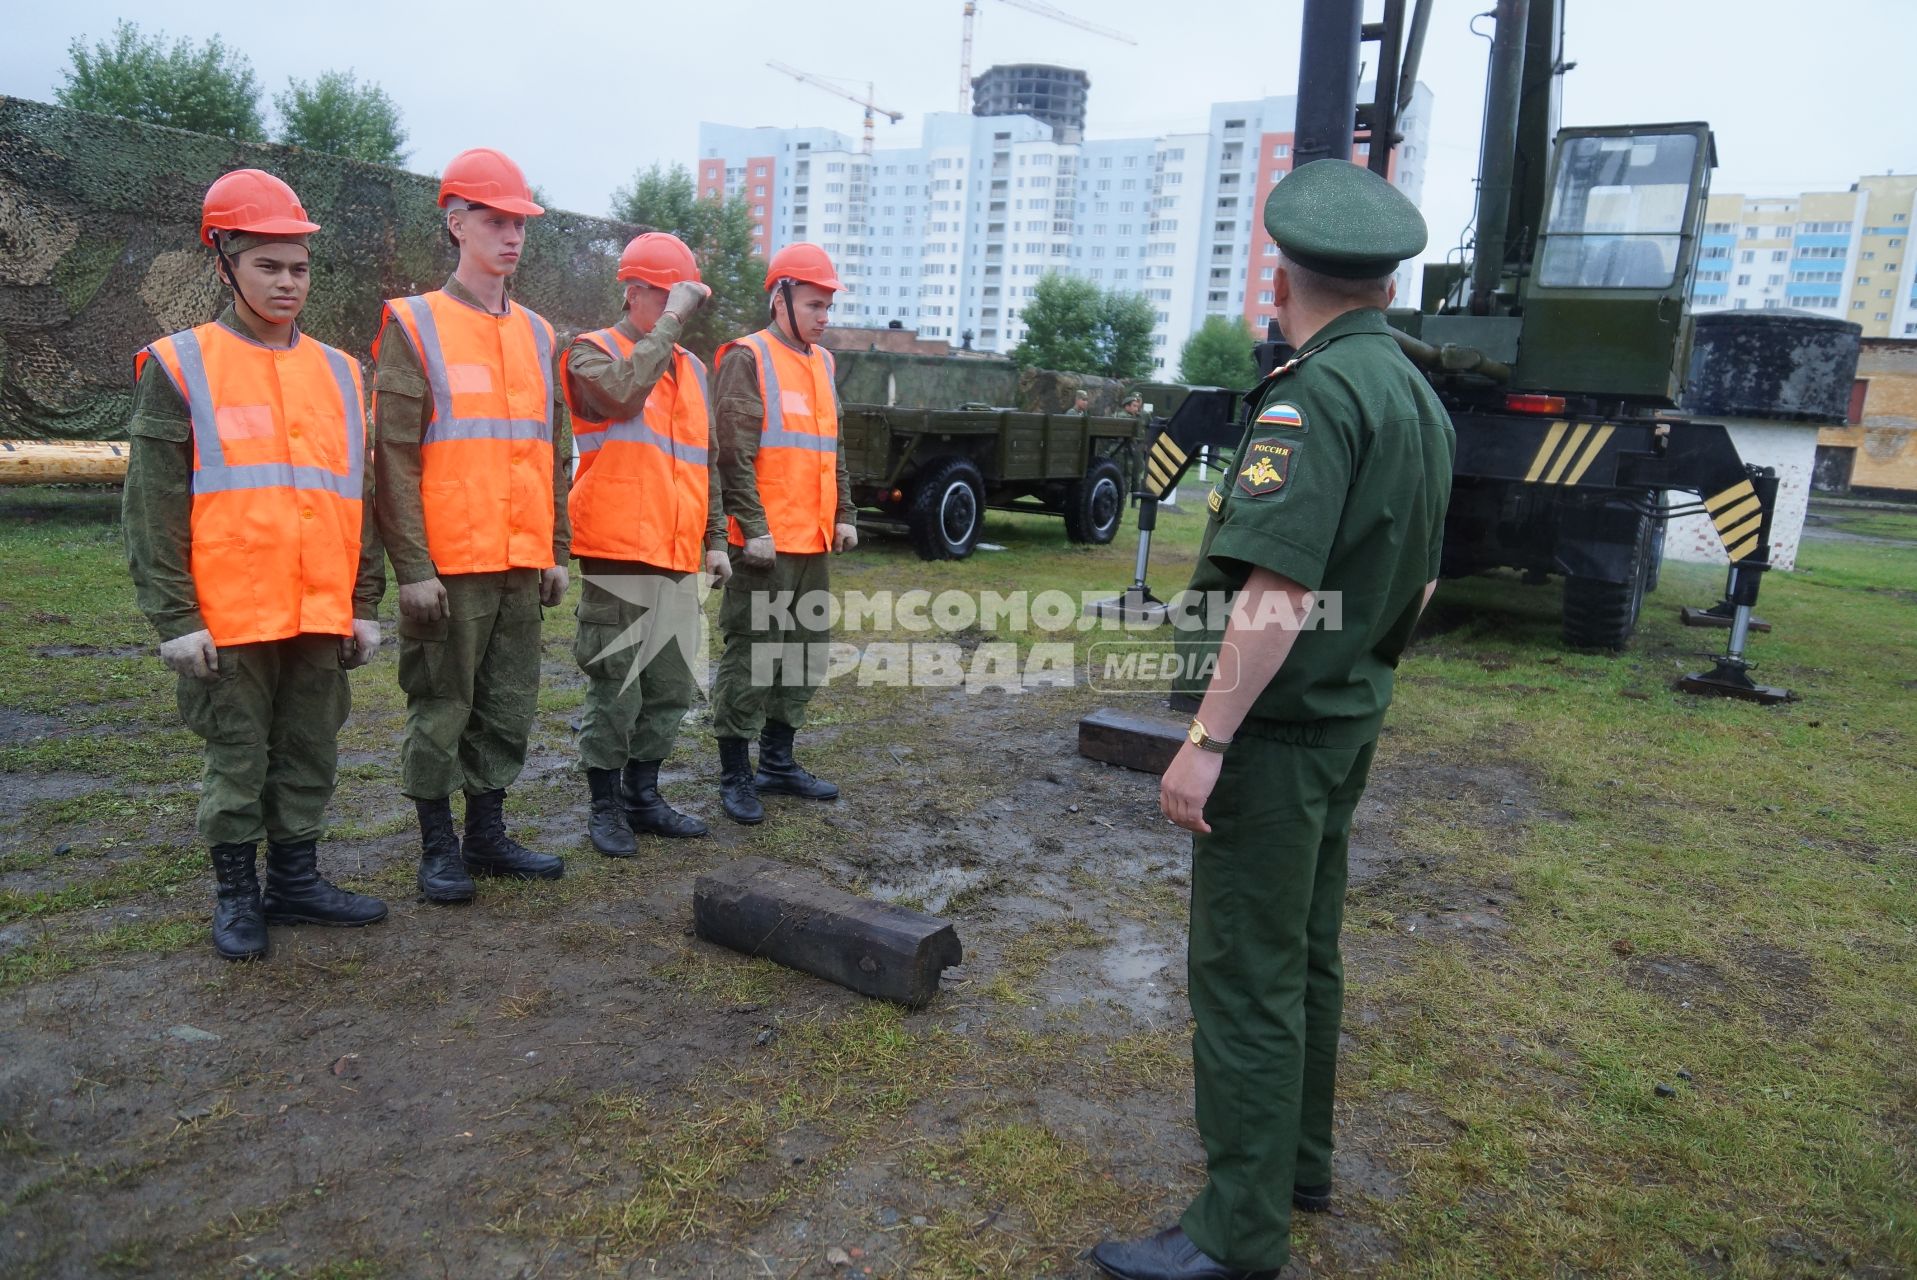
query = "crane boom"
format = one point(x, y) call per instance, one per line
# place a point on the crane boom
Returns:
point(871, 107)
point(1043, 10)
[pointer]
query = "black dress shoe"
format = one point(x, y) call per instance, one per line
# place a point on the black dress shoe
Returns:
point(1169, 1255)
point(1312, 1199)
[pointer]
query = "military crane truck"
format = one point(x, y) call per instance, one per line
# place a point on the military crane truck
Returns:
point(1560, 346)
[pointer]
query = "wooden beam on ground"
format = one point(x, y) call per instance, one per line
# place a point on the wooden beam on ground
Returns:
point(1145, 743)
point(62, 462)
point(766, 908)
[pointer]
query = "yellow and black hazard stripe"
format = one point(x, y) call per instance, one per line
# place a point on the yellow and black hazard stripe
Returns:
point(1568, 451)
point(1738, 514)
point(1163, 463)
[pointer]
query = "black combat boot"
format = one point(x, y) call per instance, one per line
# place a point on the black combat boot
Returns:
point(779, 772)
point(491, 852)
point(239, 923)
point(296, 893)
point(647, 810)
point(442, 872)
point(1314, 1199)
point(736, 790)
point(606, 825)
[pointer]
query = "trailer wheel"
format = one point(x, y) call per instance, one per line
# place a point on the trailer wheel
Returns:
point(947, 511)
point(1602, 615)
point(1096, 504)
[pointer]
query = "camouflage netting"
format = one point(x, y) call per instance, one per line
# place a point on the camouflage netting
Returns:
point(99, 255)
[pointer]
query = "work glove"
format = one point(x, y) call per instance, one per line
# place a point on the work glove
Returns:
point(686, 297)
point(758, 552)
point(719, 565)
point(844, 538)
point(358, 649)
point(423, 601)
point(552, 585)
point(192, 655)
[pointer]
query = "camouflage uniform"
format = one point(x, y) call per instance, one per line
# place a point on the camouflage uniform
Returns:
point(271, 719)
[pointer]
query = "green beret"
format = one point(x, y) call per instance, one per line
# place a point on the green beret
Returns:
point(1342, 219)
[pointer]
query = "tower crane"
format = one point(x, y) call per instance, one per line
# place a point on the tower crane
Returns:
point(871, 107)
point(1043, 10)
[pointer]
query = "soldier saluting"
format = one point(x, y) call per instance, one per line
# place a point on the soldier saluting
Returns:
point(1339, 487)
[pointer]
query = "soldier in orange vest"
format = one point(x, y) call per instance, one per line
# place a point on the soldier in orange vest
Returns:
point(471, 491)
point(645, 518)
point(253, 555)
point(788, 502)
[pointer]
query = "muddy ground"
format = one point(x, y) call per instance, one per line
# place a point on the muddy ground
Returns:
point(559, 1080)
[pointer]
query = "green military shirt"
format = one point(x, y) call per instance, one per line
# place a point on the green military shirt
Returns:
point(1340, 484)
point(741, 422)
point(157, 508)
point(401, 408)
point(609, 390)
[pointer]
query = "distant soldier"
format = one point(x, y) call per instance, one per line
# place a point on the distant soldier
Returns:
point(1081, 401)
point(472, 508)
point(1338, 488)
point(1134, 406)
point(253, 555)
point(646, 516)
point(788, 502)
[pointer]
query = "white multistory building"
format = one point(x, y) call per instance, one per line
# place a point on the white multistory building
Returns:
point(951, 236)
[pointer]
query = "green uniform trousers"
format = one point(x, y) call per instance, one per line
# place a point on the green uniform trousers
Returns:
point(775, 645)
point(472, 685)
point(1267, 986)
point(271, 722)
point(636, 622)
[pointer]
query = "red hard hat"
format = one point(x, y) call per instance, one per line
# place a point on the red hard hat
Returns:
point(805, 263)
point(252, 200)
point(658, 259)
point(488, 177)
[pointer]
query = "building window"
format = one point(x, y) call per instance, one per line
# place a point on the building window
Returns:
point(1264, 297)
point(1746, 256)
point(1280, 150)
point(1743, 280)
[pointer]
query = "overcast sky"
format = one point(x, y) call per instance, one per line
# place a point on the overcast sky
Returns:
point(1802, 96)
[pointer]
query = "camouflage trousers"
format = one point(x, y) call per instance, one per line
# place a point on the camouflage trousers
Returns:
point(472, 685)
point(271, 721)
point(638, 681)
point(774, 658)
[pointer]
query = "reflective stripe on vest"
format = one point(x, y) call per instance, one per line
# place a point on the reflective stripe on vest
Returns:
point(642, 490)
point(796, 469)
point(432, 357)
point(278, 481)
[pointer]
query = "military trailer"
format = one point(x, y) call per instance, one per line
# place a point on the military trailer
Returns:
point(936, 471)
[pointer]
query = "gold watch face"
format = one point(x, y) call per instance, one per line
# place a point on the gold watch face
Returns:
point(1196, 732)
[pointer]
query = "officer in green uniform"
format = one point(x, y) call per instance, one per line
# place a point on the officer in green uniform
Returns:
point(1331, 517)
point(269, 713)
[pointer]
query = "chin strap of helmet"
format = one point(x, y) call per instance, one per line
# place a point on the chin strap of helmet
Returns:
point(233, 277)
point(791, 316)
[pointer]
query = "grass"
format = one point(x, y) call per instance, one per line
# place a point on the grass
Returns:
point(1682, 886)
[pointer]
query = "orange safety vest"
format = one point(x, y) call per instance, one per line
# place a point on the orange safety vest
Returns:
point(797, 463)
point(279, 475)
point(641, 491)
point(486, 456)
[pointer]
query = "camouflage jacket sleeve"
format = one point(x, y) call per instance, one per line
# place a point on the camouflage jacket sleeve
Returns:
point(741, 421)
point(399, 420)
point(848, 514)
point(715, 493)
point(157, 506)
point(561, 466)
point(607, 388)
point(369, 584)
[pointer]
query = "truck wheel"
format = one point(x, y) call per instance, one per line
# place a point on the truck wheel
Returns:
point(1656, 566)
point(1602, 615)
point(1095, 505)
point(947, 511)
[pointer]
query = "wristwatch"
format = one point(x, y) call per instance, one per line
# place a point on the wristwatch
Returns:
point(1204, 741)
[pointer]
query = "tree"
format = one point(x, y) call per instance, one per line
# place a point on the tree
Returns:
point(1218, 355)
point(1071, 326)
point(341, 117)
point(208, 88)
point(719, 233)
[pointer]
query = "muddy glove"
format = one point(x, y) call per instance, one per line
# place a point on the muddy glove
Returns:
point(192, 655)
point(358, 649)
point(552, 585)
point(758, 552)
point(423, 601)
point(686, 297)
point(719, 565)
point(844, 538)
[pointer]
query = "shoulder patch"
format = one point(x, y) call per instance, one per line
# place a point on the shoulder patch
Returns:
point(1266, 468)
point(1280, 414)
